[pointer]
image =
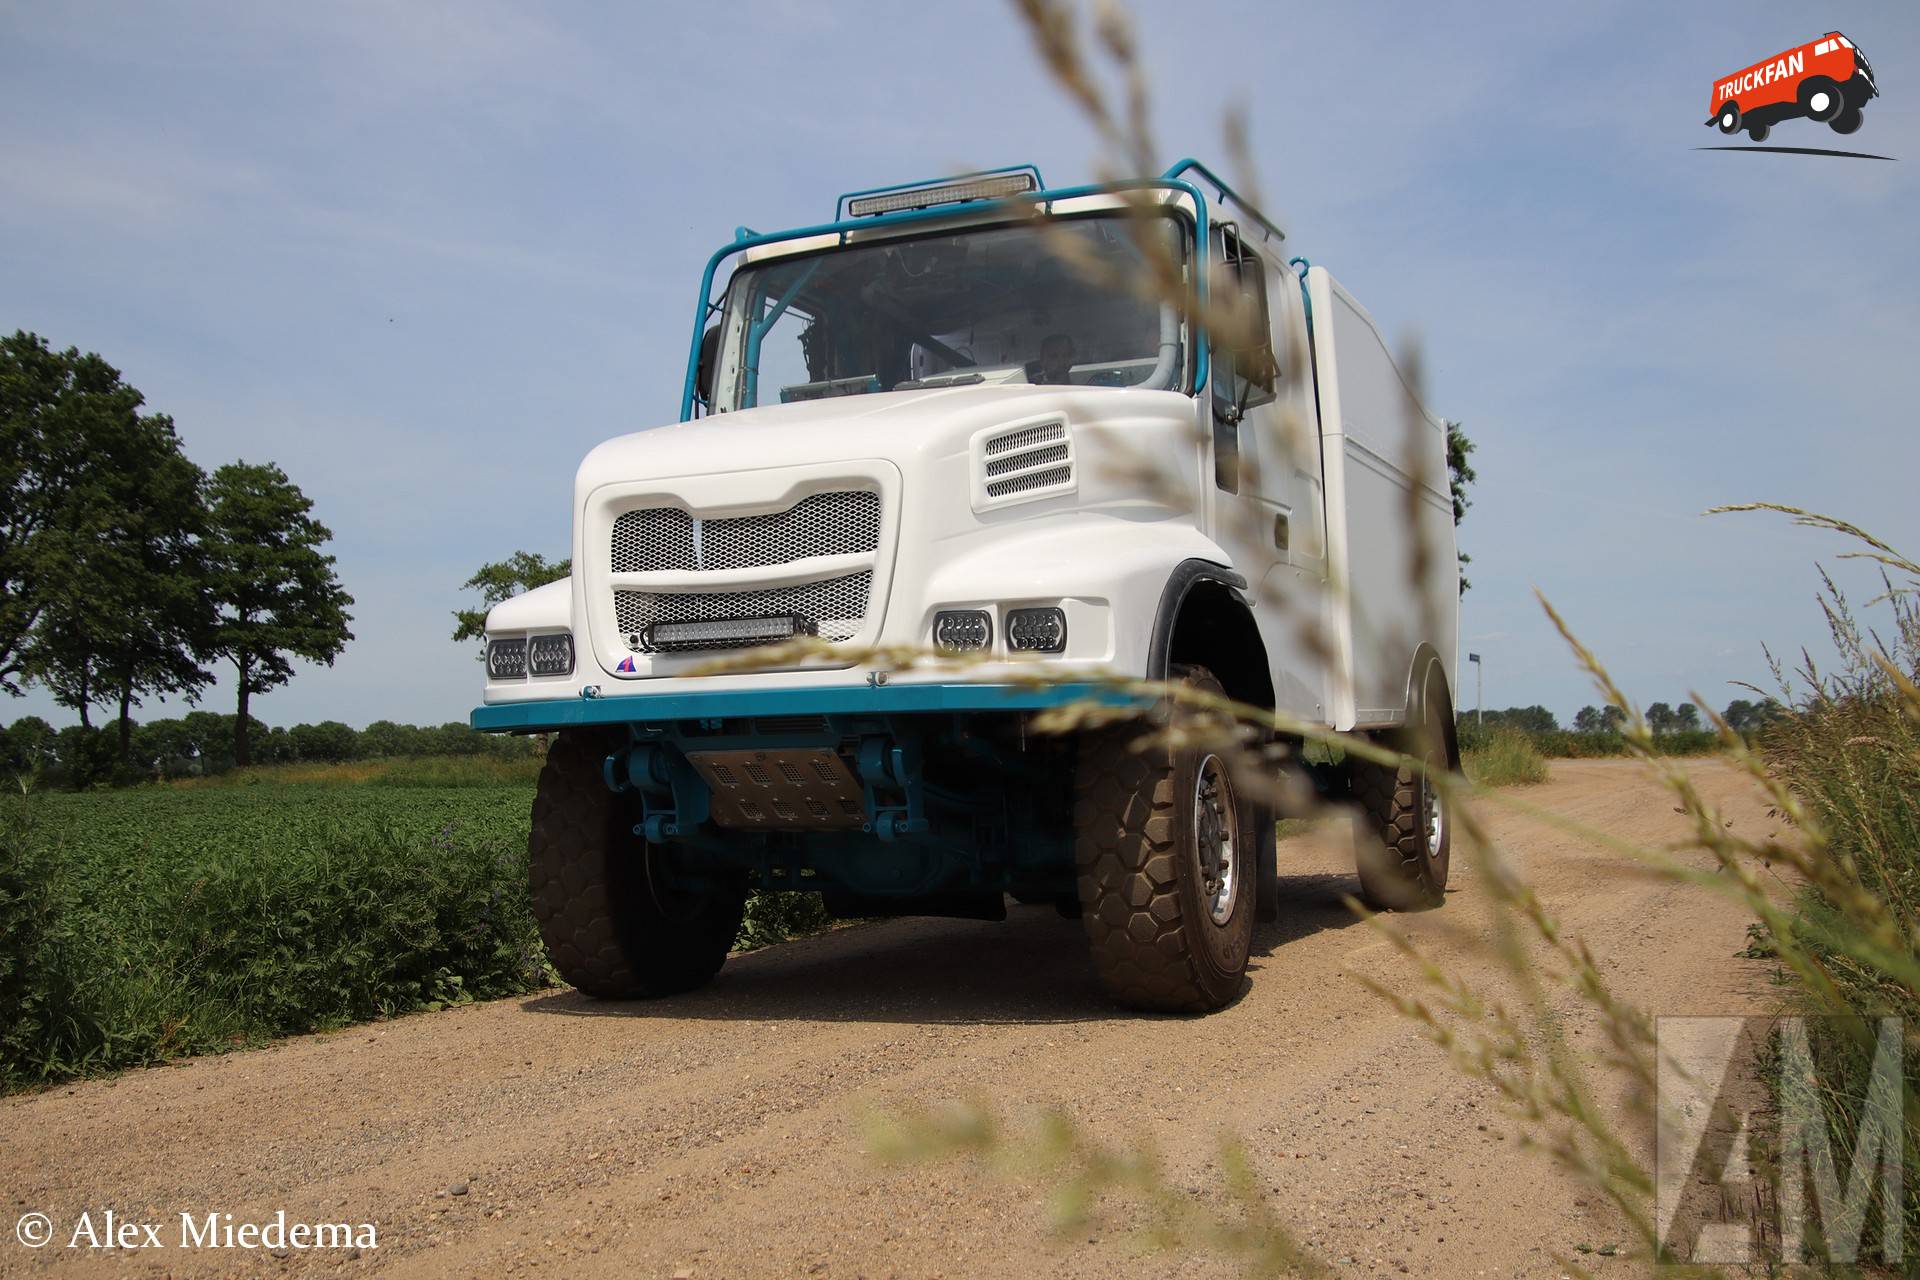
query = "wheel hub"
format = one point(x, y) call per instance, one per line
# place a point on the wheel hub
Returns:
point(1216, 829)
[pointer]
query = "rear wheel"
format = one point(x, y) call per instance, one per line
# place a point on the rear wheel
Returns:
point(1758, 131)
point(616, 922)
point(1164, 851)
point(1406, 841)
point(1847, 121)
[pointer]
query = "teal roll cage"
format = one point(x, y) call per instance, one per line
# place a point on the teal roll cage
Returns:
point(1174, 179)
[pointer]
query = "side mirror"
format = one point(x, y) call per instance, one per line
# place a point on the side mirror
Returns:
point(1259, 365)
point(707, 367)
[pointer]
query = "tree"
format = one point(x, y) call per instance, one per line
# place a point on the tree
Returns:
point(1589, 720)
point(520, 572)
point(1613, 717)
point(384, 738)
point(330, 740)
point(1661, 718)
point(83, 756)
point(1743, 716)
point(1460, 474)
point(276, 594)
point(58, 411)
point(1534, 719)
point(1686, 718)
point(26, 746)
point(127, 619)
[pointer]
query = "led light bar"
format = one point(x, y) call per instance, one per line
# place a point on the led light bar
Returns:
point(962, 630)
point(551, 655)
point(993, 187)
point(507, 659)
point(725, 633)
point(1037, 630)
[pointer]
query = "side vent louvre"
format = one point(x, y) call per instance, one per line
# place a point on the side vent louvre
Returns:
point(1022, 461)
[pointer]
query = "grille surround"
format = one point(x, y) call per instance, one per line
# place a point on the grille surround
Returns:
point(743, 492)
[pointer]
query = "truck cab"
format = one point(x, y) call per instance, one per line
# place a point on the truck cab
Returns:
point(974, 452)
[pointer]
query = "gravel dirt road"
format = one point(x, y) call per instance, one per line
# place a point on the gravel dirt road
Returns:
point(719, 1134)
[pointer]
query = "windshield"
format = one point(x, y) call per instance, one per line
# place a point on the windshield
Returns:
point(1052, 303)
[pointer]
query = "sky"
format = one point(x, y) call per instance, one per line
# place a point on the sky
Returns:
point(424, 256)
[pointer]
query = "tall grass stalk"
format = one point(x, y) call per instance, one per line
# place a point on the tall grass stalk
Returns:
point(1845, 784)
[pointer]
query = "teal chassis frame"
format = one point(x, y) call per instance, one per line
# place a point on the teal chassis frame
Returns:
point(962, 803)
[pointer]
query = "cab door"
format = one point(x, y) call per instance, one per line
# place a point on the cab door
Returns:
point(1268, 496)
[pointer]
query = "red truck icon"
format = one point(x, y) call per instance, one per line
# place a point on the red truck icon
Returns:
point(1827, 80)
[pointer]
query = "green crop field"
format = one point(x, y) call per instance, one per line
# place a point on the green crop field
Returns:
point(141, 924)
point(147, 923)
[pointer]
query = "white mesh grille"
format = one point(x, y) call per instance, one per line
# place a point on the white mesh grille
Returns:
point(1042, 434)
point(653, 538)
point(845, 522)
point(1034, 460)
point(1029, 480)
point(827, 524)
point(1037, 458)
point(836, 606)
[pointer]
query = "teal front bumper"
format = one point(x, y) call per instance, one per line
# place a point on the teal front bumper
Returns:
point(862, 699)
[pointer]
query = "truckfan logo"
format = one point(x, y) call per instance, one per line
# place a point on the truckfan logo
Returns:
point(1828, 81)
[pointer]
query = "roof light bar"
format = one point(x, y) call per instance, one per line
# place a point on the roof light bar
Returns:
point(991, 187)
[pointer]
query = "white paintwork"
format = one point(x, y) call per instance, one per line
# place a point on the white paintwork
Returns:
point(1338, 465)
point(1384, 454)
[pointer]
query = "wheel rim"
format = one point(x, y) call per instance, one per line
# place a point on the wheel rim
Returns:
point(1433, 810)
point(1433, 813)
point(1216, 830)
point(1819, 102)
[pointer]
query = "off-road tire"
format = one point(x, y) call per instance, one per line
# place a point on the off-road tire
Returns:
point(1154, 942)
point(1729, 118)
point(1399, 867)
point(612, 928)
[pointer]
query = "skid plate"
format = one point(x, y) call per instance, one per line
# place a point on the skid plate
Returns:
point(796, 789)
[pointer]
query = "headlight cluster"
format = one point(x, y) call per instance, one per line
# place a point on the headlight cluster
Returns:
point(548, 655)
point(551, 655)
point(507, 659)
point(1035, 630)
point(963, 630)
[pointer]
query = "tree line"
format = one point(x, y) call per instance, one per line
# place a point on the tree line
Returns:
point(201, 743)
point(127, 572)
point(1742, 715)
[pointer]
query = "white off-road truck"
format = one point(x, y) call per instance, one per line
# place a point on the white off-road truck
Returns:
point(985, 417)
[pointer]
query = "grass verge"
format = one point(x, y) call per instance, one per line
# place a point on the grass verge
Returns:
point(1505, 757)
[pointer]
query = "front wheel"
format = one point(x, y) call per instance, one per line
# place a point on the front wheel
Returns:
point(617, 922)
point(1821, 99)
point(1406, 838)
point(1730, 118)
point(1164, 855)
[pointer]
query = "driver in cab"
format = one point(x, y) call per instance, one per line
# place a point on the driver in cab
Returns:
point(1055, 365)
